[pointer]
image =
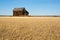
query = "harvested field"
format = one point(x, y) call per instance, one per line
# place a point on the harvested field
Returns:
point(29, 28)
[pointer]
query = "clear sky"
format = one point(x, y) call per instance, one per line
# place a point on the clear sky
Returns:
point(35, 7)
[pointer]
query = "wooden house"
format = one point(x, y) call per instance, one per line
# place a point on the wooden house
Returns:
point(20, 12)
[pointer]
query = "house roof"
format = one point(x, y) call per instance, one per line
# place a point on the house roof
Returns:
point(18, 9)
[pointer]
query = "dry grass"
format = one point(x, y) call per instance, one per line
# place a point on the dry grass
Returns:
point(29, 28)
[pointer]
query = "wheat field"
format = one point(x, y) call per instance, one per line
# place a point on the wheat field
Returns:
point(29, 28)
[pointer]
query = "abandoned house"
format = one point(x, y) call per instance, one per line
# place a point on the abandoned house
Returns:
point(20, 12)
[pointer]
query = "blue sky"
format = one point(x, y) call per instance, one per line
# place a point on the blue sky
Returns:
point(35, 7)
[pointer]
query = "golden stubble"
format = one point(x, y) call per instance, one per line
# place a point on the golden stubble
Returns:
point(29, 28)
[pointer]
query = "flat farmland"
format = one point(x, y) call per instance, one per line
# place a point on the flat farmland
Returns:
point(29, 28)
